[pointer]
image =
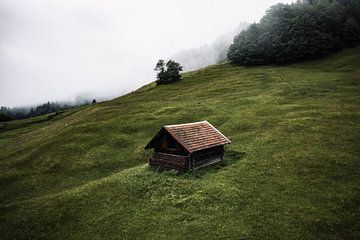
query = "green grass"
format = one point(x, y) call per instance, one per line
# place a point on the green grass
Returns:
point(291, 172)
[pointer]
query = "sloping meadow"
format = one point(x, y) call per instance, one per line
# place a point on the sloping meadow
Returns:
point(291, 172)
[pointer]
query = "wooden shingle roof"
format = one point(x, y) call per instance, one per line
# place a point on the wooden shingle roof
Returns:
point(195, 136)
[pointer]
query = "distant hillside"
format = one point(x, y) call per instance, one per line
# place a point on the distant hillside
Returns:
point(291, 172)
point(8, 114)
point(302, 30)
point(195, 58)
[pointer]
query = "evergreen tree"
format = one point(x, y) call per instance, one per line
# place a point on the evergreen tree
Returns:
point(351, 32)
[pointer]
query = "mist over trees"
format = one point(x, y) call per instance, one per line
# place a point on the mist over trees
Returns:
point(195, 58)
point(7, 114)
point(303, 30)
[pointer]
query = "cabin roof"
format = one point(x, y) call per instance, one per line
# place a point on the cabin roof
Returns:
point(193, 136)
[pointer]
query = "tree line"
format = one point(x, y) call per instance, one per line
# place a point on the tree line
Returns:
point(8, 114)
point(306, 29)
point(303, 30)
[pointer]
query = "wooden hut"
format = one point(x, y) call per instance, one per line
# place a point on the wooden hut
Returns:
point(187, 147)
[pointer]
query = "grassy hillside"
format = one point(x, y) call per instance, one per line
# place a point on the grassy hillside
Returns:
point(291, 172)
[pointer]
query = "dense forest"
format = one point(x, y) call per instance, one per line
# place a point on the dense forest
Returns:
point(303, 30)
point(8, 114)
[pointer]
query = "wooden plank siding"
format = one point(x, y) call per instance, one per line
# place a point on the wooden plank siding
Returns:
point(206, 157)
point(169, 161)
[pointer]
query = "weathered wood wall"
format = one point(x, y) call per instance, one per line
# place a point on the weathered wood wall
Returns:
point(164, 146)
point(207, 156)
point(169, 161)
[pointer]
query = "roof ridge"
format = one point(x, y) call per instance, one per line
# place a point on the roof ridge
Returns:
point(183, 124)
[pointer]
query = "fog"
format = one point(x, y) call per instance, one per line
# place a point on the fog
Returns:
point(205, 55)
point(66, 50)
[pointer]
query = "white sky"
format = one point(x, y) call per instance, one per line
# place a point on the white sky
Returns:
point(57, 50)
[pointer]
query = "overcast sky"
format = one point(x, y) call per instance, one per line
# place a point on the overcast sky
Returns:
point(57, 50)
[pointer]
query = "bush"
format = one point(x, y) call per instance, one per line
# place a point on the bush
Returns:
point(4, 117)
